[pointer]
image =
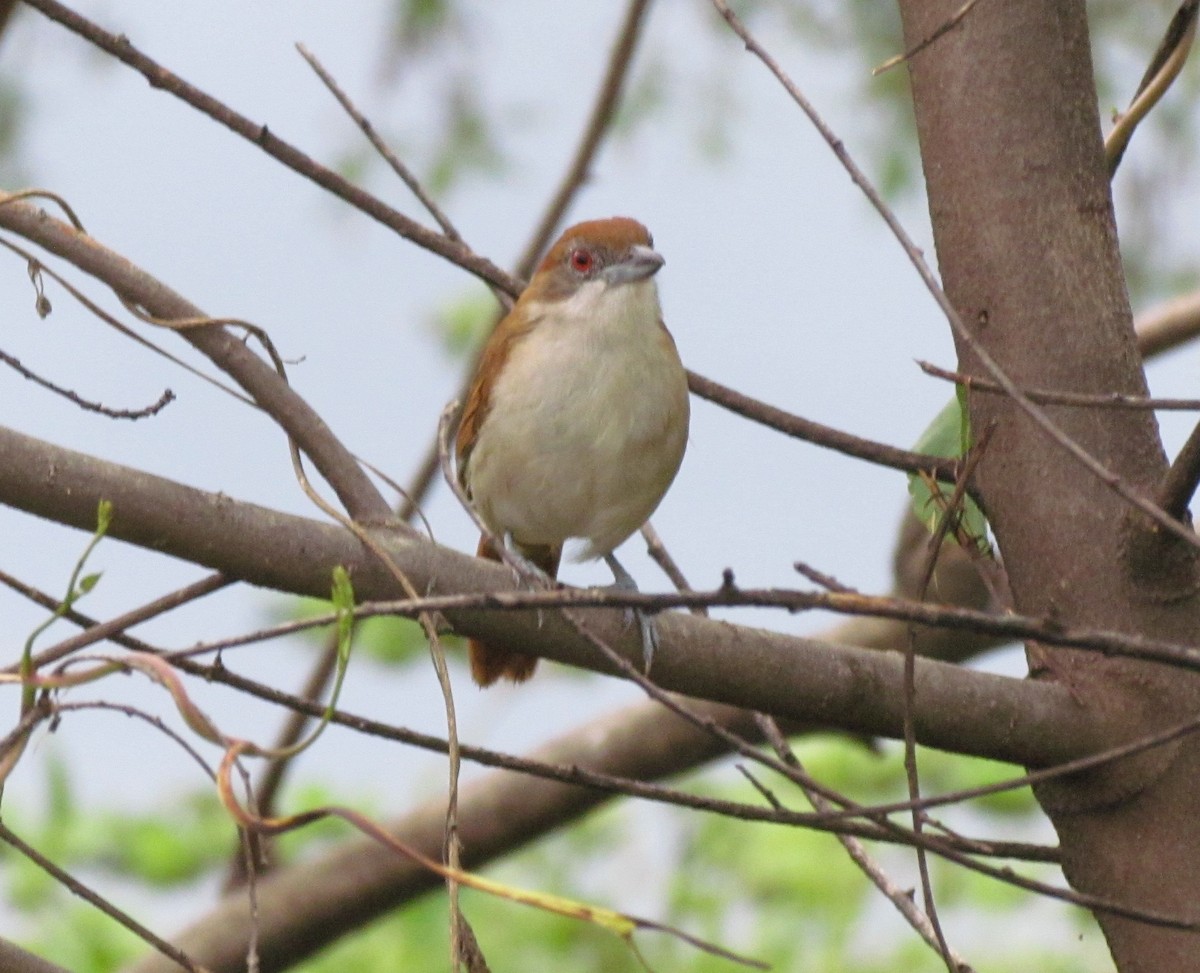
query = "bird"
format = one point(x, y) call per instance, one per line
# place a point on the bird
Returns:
point(576, 421)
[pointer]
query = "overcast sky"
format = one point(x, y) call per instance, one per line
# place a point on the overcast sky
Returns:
point(779, 281)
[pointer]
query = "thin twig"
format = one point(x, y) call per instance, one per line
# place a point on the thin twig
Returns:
point(950, 515)
point(1179, 485)
point(118, 625)
point(1005, 626)
point(1092, 902)
point(900, 898)
point(942, 29)
point(250, 848)
point(662, 557)
point(1164, 68)
point(580, 776)
point(575, 774)
point(826, 581)
point(58, 708)
point(1102, 400)
point(118, 326)
point(259, 135)
point(159, 304)
point(819, 435)
point(55, 198)
point(702, 722)
point(390, 157)
point(74, 397)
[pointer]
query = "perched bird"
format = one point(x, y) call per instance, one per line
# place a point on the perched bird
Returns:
point(577, 419)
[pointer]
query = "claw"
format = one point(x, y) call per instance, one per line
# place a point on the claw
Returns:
point(526, 574)
point(623, 581)
point(524, 570)
point(649, 638)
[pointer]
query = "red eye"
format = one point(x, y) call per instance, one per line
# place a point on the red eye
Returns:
point(582, 261)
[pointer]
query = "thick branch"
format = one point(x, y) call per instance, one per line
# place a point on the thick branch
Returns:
point(1166, 326)
point(792, 678)
point(13, 959)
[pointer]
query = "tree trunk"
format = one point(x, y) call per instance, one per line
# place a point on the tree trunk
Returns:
point(1027, 248)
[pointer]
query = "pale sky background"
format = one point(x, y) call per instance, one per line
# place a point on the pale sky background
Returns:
point(780, 281)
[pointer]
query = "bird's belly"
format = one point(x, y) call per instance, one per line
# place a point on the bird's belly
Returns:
point(587, 453)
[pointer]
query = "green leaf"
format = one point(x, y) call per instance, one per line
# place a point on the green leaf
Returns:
point(945, 436)
point(949, 435)
point(76, 589)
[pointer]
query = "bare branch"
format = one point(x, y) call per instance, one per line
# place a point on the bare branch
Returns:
point(1036, 724)
point(1006, 626)
point(269, 390)
point(1169, 325)
point(900, 898)
point(1182, 479)
point(307, 906)
point(1164, 68)
point(406, 175)
point(662, 557)
point(942, 29)
point(145, 412)
point(12, 958)
point(1084, 400)
point(159, 77)
point(814, 432)
point(355, 883)
point(104, 630)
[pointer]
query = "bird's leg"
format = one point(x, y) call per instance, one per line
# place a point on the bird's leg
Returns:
point(623, 581)
point(526, 574)
point(524, 570)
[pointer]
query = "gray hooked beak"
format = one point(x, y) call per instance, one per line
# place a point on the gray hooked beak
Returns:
point(641, 262)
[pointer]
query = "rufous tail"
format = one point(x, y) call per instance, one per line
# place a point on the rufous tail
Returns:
point(490, 663)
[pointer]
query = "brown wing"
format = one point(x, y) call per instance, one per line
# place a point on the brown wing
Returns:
point(490, 663)
point(504, 337)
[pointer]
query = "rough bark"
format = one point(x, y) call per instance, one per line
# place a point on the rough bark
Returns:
point(1027, 249)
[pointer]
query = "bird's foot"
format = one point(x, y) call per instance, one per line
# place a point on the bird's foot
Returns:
point(623, 581)
point(526, 575)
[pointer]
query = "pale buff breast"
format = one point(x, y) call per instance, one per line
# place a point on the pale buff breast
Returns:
point(587, 425)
